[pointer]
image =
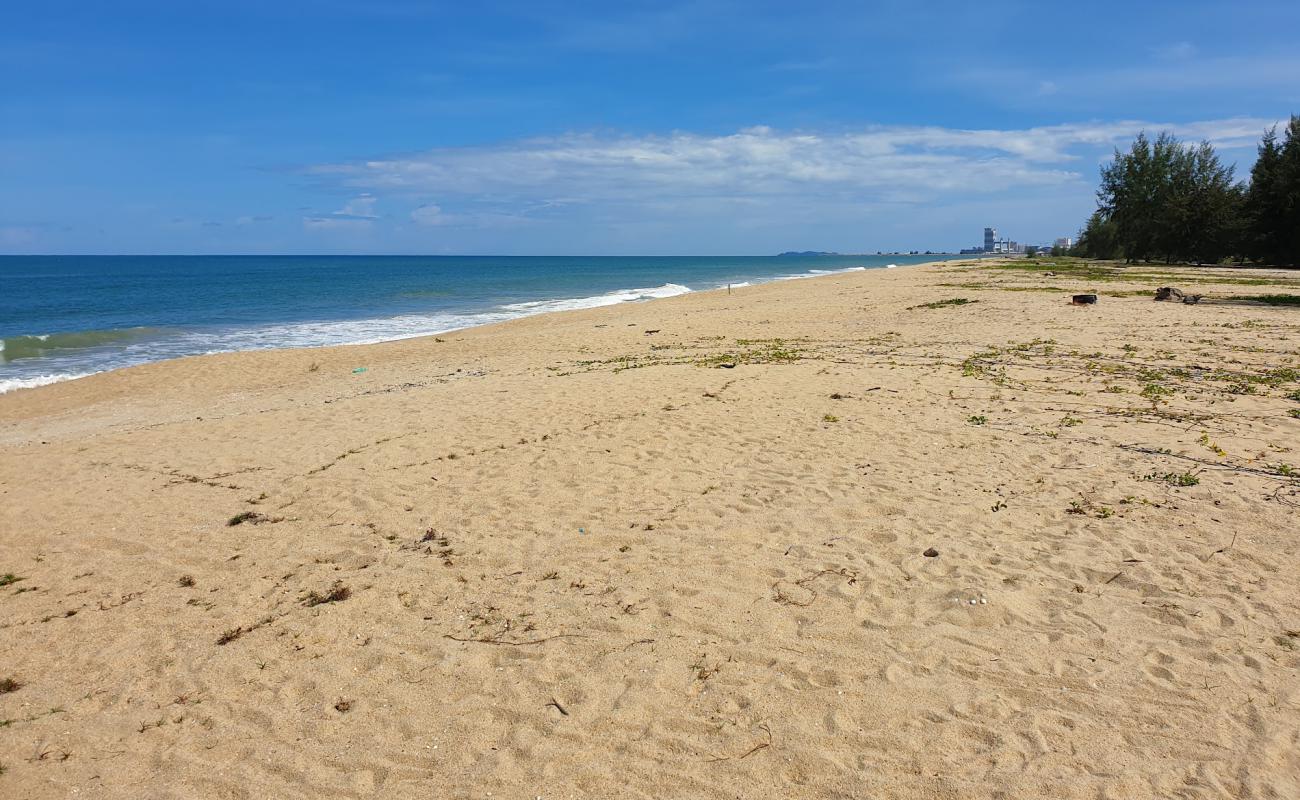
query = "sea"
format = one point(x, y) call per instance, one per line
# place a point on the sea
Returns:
point(66, 317)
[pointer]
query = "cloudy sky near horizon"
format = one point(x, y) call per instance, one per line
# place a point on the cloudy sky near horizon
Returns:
point(719, 126)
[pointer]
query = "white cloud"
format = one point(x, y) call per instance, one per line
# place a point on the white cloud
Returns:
point(881, 164)
point(428, 215)
point(357, 214)
point(432, 216)
point(360, 207)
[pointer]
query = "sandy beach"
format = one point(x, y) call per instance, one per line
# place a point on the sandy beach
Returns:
point(824, 538)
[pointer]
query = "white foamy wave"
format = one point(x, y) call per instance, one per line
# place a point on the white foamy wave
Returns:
point(817, 273)
point(342, 332)
point(13, 384)
point(77, 362)
point(387, 329)
point(310, 334)
point(609, 299)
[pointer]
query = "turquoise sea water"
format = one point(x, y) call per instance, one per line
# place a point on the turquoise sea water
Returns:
point(63, 317)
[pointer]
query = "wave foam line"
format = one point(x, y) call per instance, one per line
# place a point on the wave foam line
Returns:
point(132, 351)
point(12, 384)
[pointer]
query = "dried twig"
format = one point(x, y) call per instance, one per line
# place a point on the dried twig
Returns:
point(780, 596)
point(489, 640)
point(751, 751)
point(1223, 549)
point(761, 745)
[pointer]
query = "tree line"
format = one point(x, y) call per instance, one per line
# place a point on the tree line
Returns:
point(1171, 201)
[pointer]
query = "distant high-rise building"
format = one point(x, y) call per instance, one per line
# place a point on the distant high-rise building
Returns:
point(1065, 242)
point(990, 240)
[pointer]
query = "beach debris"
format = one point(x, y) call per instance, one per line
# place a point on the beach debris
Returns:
point(251, 517)
point(358, 370)
point(556, 705)
point(1083, 300)
point(496, 640)
point(1192, 299)
point(336, 594)
point(930, 552)
point(790, 594)
point(343, 706)
point(234, 633)
point(653, 331)
point(727, 365)
point(10, 684)
point(1169, 293)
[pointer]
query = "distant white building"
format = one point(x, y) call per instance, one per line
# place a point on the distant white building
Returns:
point(1065, 242)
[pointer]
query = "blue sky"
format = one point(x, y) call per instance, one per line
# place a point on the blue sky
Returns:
point(288, 126)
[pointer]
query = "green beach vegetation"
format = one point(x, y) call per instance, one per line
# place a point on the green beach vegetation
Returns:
point(1176, 202)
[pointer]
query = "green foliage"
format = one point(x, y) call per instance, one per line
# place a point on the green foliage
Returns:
point(1099, 238)
point(956, 301)
point(1175, 478)
point(1276, 299)
point(1167, 200)
point(1164, 199)
point(1155, 392)
point(1271, 231)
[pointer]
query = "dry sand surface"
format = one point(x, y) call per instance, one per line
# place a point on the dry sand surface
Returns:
point(675, 550)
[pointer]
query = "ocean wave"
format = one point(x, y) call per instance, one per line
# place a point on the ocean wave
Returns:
point(11, 384)
point(81, 354)
point(817, 273)
point(408, 326)
point(13, 348)
point(596, 301)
